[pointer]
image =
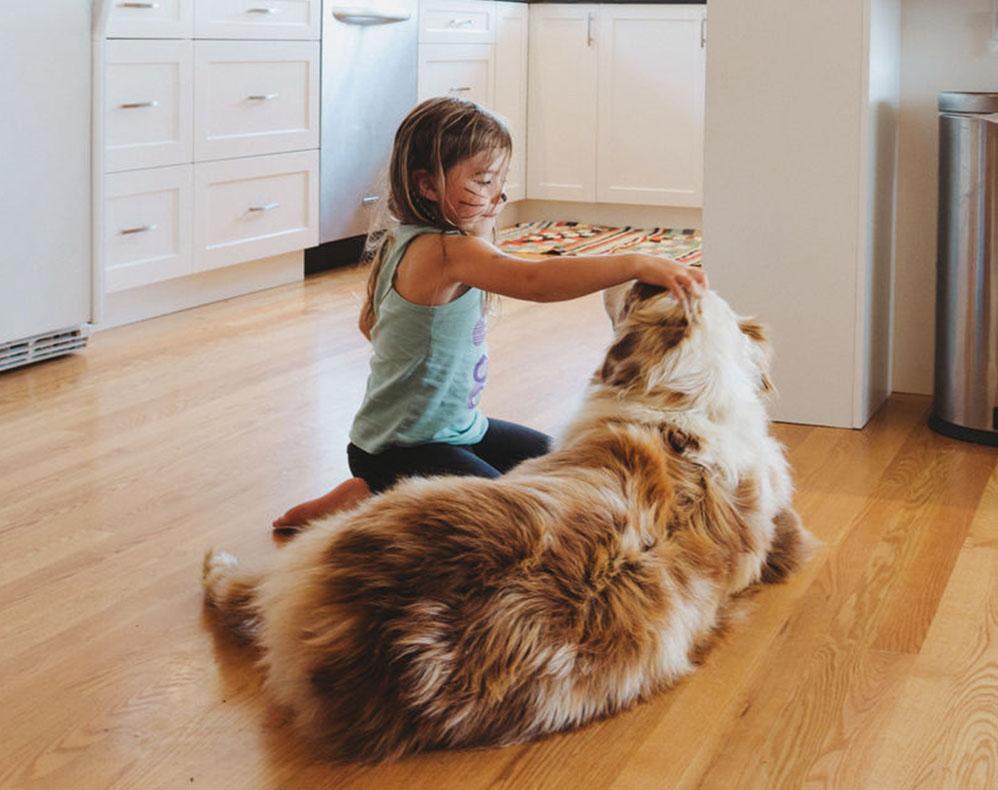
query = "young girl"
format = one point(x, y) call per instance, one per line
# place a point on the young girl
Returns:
point(426, 309)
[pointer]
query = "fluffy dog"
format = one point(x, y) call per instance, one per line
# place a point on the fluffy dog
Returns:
point(457, 611)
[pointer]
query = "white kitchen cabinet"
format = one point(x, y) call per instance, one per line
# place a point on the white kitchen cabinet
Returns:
point(148, 104)
point(510, 90)
point(463, 70)
point(147, 228)
point(650, 104)
point(211, 139)
point(151, 19)
point(562, 112)
point(252, 208)
point(258, 19)
point(456, 22)
point(616, 97)
point(255, 97)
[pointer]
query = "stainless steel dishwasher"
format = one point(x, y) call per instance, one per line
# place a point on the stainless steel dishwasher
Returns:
point(369, 58)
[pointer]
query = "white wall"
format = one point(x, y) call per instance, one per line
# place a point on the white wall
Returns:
point(945, 46)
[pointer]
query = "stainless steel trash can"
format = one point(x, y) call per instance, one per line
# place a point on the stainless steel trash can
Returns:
point(966, 373)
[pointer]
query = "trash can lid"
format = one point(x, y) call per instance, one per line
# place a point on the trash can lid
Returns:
point(968, 101)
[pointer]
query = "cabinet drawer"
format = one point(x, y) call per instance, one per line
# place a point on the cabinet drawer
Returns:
point(147, 226)
point(255, 98)
point(148, 104)
point(151, 19)
point(281, 19)
point(463, 70)
point(456, 22)
point(253, 208)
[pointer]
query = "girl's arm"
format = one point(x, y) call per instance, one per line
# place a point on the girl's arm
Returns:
point(477, 263)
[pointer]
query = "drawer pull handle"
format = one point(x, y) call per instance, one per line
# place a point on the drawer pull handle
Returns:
point(363, 16)
point(367, 201)
point(266, 207)
point(464, 89)
point(138, 5)
point(263, 97)
point(459, 23)
point(262, 10)
point(133, 231)
point(135, 105)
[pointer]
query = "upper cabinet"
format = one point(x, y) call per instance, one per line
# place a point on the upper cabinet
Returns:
point(616, 97)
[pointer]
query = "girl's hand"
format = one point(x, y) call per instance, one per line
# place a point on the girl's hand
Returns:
point(680, 279)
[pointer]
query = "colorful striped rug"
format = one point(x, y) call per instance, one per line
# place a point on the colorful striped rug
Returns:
point(541, 239)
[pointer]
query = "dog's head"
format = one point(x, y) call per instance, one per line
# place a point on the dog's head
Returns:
point(682, 354)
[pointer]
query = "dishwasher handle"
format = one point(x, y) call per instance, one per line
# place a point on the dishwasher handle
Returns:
point(354, 15)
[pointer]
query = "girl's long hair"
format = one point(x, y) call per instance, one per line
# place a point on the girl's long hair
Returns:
point(435, 136)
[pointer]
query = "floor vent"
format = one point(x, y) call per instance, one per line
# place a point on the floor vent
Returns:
point(39, 347)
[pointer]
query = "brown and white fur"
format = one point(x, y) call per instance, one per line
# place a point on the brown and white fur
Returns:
point(456, 611)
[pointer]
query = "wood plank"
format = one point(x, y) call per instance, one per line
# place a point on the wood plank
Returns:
point(944, 731)
point(797, 705)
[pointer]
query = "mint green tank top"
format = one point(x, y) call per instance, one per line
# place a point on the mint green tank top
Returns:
point(428, 366)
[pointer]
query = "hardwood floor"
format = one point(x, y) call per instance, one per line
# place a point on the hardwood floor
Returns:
point(876, 667)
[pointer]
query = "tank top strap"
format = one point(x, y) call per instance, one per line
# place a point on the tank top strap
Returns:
point(400, 239)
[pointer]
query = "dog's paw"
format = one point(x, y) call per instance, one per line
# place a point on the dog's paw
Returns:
point(217, 564)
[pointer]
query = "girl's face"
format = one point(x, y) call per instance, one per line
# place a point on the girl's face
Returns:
point(472, 194)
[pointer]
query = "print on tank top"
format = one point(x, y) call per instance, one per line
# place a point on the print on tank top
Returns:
point(481, 370)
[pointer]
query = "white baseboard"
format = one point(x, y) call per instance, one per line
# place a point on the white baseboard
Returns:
point(601, 214)
point(182, 293)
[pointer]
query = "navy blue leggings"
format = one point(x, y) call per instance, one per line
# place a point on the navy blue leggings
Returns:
point(504, 445)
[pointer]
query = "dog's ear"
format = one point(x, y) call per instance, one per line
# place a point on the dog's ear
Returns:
point(613, 302)
point(756, 332)
point(620, 300)
point(753, 330)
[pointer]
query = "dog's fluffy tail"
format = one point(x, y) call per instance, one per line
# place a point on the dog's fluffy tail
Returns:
point(231, 590)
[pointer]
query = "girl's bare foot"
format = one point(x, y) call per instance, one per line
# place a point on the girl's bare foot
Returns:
point(343, 497)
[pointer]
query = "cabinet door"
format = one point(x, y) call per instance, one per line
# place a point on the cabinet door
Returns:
point(151, 19)
point(254, 208)
point(463, 70)
point(651, 99)
point(147, 226)
point(456, 22)
point(511, 87)
point(255, 97)
point(561, 116)
point(258, 19)
point(148, 104)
